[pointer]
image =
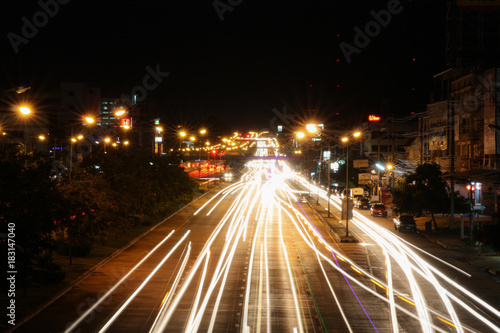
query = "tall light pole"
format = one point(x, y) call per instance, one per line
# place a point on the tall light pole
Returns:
point(202, 133)
point(25, 112)
point(182, 134)
point(347, 201)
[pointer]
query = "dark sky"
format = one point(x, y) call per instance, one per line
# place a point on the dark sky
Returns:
point(262, 55)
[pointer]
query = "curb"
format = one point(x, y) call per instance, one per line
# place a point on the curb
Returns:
point(334, 234)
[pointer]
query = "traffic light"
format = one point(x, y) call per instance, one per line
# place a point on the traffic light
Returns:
point(472, 191)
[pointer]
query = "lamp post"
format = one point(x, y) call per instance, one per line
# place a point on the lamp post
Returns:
point(202, 133)
point(25, 112)
point(346, 201)
point(182, 134)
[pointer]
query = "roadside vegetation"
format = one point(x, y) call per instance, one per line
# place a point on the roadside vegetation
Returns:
point(424, 191)
point(107, 198)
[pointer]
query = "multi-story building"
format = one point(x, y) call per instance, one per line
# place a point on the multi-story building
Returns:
point(460, 132)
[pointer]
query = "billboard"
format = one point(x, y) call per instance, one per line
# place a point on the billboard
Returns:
point(361, 163)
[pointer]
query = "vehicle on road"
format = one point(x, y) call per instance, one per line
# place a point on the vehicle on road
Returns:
point(378, 209)
point(405, 222)
point(362, 203)
point(337, 190)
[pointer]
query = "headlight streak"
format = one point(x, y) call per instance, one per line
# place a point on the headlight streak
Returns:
point(346, 321)
point(159, 320)
point(99, 301)
point(350, 277)
point(249, 278)
point(127, 302)
point(397, 241)
point(225, 268)
point(437, 272)
point(268, 298)
point(292, 283)
point(401, 258)
point(194, 269)
point(264, 197)
point(401, 246)
point(390, 292)
point(198, 294)
point(238, 184)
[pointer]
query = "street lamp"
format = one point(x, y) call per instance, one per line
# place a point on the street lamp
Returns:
point(202, 133)
point(182, 134)
point(24, 110)
point(73, 140)
point(346, 201)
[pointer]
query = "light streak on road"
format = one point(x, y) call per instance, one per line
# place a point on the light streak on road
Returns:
point(264, 206)
point(166, 301)
point(143, 284)
point(91, 309)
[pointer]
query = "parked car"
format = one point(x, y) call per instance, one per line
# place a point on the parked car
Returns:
point(405, 222)
point(362, 203)
point(378, 209)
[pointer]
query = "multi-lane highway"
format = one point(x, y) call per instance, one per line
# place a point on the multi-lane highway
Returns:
point(253, 256)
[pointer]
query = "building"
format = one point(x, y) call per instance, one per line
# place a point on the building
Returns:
point(460, 132)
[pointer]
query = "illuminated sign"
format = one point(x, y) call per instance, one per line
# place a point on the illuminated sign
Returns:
point(125, 122)
point(373, 117)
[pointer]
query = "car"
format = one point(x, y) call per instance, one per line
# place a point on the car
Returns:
point(405, 222)
point(378, 209)
point(362, 203)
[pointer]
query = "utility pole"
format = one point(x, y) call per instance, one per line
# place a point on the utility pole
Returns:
point(451, 144)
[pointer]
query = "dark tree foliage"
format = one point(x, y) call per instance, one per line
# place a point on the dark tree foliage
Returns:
point(29, 201)
point(423, 190)
point(491, 234)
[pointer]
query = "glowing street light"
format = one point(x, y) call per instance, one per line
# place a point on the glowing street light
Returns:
point(89, 120)
point(120, 112)
point(192, 138)
point(300, 135)
point(312, 128)
point(203, 131)
point(24, 110)
point(347, 203)
point(107, 139)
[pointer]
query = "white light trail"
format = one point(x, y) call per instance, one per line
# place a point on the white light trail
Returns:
point(127, 302)
point(110, 291)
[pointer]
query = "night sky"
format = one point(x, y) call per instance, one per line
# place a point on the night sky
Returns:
point(262, 55)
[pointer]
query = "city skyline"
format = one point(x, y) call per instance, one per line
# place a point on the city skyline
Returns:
point(236, 63)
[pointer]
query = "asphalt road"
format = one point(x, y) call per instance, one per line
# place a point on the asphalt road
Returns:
point(253, 256)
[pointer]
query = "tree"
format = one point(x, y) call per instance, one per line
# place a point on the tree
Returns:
point(29, 203)
point(422, 190)
point(91, 207)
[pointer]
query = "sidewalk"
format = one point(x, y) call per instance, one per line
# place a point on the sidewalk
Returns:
point(482, 258)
